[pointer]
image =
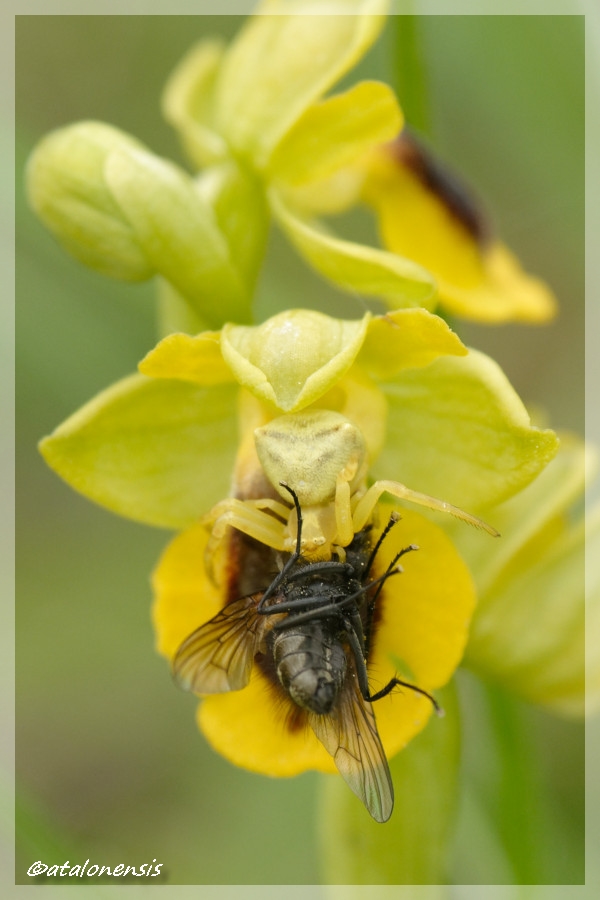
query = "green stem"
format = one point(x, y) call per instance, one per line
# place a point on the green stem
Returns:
point(518, 796)
point(174, 313)
point(410, 74)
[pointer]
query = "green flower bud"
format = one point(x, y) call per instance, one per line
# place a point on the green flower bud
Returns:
point(67, 188)
point(130, 214)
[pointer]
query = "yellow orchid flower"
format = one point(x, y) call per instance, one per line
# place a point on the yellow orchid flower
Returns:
point(240, 412)
point(291, 456)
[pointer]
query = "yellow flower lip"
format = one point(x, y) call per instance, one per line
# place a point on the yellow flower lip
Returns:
point(424, 623)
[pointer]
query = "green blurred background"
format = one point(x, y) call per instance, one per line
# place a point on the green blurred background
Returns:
point(109, 763)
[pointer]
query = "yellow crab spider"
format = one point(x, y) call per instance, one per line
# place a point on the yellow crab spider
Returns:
point(323, 457)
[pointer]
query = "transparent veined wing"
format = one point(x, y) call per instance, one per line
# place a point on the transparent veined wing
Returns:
point(349, 733)
point(217, 657)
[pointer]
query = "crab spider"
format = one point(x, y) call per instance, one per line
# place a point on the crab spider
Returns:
point(322, 456)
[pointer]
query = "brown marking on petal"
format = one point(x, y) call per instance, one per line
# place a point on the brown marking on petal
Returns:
point(296, 719)
point(251, 566)
point(408, 150)
point(293, 716)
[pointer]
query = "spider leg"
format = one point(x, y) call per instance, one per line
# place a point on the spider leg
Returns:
point(293, 558)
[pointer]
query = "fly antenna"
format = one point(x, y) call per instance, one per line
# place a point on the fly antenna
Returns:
point(298, 508)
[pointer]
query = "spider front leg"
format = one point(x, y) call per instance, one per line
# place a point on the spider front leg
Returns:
point(249, 517)
point(365, 506)
point(343, 512)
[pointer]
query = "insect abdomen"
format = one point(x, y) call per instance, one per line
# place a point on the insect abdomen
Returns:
point(311, 666)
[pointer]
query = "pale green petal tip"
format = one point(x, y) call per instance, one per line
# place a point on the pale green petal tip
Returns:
point(533, 448)
point(336, 133)
point(265, 85)
point(187, 102)
point(293, 358)
point(354, 267)
point(180, 356)
point(405, 339)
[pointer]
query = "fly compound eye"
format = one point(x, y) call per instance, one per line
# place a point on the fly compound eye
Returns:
point(311, 451)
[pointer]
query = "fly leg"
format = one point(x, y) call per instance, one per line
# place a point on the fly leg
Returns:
point(325, 566)
point(360, 645)
point(396, 682)
point(316, 608)
point(321, 608)
point(362, 675)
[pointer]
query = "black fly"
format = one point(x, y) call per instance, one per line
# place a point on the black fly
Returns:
point(313, 625)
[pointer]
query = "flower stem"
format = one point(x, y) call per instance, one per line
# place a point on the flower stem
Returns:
point(518, 792)
point(410, 74)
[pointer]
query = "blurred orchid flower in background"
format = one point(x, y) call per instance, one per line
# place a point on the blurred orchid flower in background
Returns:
point(264, 150)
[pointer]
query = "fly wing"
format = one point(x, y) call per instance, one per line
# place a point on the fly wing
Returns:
point(218, 656)
point(349, 733)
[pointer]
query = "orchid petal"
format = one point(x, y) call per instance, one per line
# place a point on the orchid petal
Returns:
point(355, 267)
point(197, 359)
point(427, 216)
point(458, 431)
point(187, 102)
point(333, 134)
point(406, 339)
point(153, 450)
point(265, 84)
